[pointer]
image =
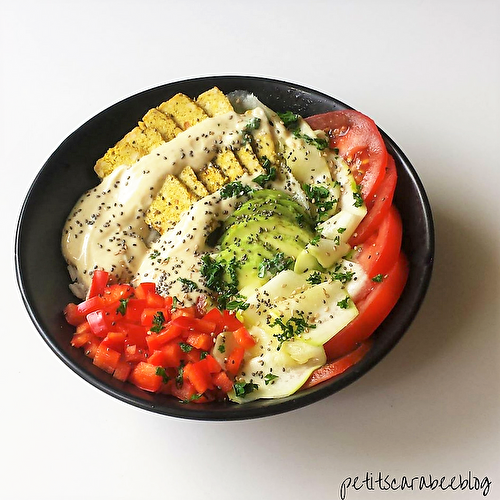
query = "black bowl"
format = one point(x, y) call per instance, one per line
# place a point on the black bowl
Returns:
point(43, 278)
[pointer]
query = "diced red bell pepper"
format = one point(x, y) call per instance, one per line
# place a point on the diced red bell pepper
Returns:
point(134, 354)
point(135, 334)
point(98, 283)
point(234, 360)
point(199, 376)
point(73, 315)
point(201, 341)
point(122, 370)
point(100, 322)
point(144, 376)
point(149, 313)
point(89, 305)
point(243, 337)
point(134, 310)
point(194, 324)
point(156, 340)
point(212, 364)
point(231, 322)
point(115, 340)
point(184, 311)
point(142, 290)
point(222, 381)
point(107, 359)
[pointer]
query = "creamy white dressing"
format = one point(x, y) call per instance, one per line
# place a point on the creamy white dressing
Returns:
point(106, 228)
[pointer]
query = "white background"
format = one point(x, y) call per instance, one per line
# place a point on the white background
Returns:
point(428, 72)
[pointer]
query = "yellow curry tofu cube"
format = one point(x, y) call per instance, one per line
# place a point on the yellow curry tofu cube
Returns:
point(188, 177)
point(183, 110)
point(214, 102)
point(247, 158)
point(228, 163)
point(137, 143)
point(171, 202)
point(164, 124)
point(212, 178)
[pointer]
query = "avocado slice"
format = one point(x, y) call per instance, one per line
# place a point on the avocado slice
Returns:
point(270, 225)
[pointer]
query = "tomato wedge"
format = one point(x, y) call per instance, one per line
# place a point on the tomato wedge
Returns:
point(379, 252)
point(372, 311)
point(359, 142)
point(334, 368)
point(378, 205)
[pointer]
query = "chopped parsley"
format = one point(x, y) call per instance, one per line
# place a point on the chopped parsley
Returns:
point(378, 278)
point(221, 348)
point(341, 230)
point(289, 119)
point(358, 199)
point(179, 379)
point(241, 389)
point(320, 144)
point(344, 303)
point(221, 277)
point(269, 176)
point(270, 378)
point(273, 266)
point(185, 347)
point(342, 277)
point(158, 322)
point(160, 371)
point(294, 326)
point(154, 255)
point(194, 397)
point(253, 124)
point(122, 308)
point(315, 278)
point(320, 197)
point(315, 240)
point(235, 188)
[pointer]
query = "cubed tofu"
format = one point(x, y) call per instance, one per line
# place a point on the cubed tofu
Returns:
point(137, 143)
point(164, 124)
point(188, 177)
point(229, 164)
point(248, 159)
point(173, 199)
point(183, 110)
point(214, 102)
point(212, 178)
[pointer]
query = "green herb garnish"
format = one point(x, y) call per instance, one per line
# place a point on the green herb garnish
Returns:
point(320, 144)
point(160, 371)
point(185, 347)
point(378, 278)
point(158, 322)
point(358, 200)
point(273, 266)
point(122, 308)
point(235, 188)
point(294, 326)
point(269, 378)
point(289, 119)
point(269, 176)
point(241, 389)
point(315, 278)
point(344, 303)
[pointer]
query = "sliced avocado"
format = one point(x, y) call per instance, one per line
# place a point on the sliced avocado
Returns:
point(269, 224)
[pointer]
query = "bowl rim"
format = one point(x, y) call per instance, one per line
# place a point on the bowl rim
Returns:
point(231, 411)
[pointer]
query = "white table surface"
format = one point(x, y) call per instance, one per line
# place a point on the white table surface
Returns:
point(428, 72)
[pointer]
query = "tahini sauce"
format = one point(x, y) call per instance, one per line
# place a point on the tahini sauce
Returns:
point(106, 228)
